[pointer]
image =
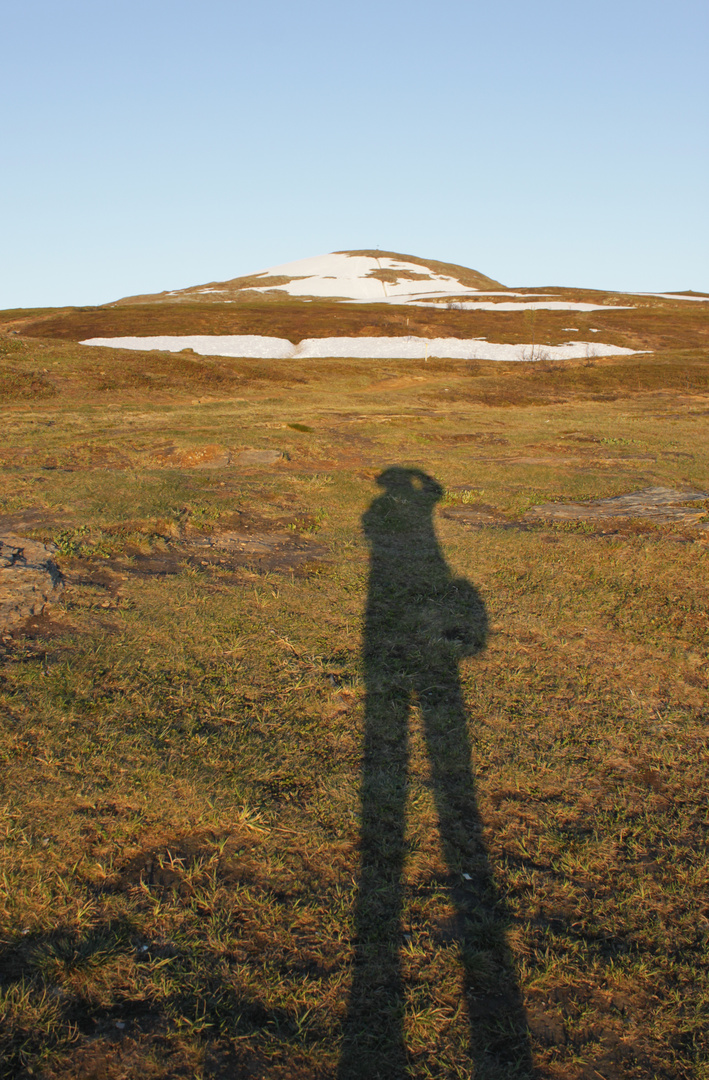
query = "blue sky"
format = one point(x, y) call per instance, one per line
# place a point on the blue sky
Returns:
point(152, 145)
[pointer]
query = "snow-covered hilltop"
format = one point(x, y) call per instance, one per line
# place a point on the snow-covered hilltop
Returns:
point(361, 277)
point(383, 277)
point(364, 276)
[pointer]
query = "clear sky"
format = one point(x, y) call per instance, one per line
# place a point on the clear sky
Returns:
point(156, 144)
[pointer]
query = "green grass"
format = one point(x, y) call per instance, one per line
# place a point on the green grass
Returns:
point(232, 794)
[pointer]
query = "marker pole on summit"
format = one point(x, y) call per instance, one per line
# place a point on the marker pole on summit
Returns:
point(384, 288)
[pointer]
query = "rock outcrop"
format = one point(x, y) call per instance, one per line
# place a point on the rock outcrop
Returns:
point(29, 579)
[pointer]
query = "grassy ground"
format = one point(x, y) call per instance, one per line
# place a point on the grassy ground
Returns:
point(361, 790)
point(652, 324)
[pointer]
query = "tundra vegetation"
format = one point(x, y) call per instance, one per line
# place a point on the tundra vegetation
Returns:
point(307, 775)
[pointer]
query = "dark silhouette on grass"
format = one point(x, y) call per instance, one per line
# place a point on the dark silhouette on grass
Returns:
point(419, 622)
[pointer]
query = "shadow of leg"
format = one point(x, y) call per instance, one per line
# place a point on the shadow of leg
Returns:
point(499, 1043)
point(374, 1044)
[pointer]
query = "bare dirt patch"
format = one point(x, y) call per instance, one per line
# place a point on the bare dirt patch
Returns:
point(480, 514)
point(32, 520)
point(88, 456)
point(204, 457)
point(181, 865)
point(32, 574)
point(398, 383)
point(213, 457)
point(562, 459)
point(42, 627)
point(238, 540)
point(259, 457)
point(266, 551)
point(482, 438)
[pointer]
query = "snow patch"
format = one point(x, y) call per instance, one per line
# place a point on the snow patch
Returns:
point(366, 348)
point(254, 346)
point(350, 276)
point(673, 296)
point(544, 305)
point(417, 348)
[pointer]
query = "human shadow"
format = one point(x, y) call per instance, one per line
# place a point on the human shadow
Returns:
point(420, 621)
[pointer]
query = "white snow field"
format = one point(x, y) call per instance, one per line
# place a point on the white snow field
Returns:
point(350, 276)
point(535, 305)
point(366, 348)
point(673, 296)
point(250, 346)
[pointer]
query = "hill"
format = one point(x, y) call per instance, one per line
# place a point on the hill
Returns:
point(318, 305)
point(346, 275)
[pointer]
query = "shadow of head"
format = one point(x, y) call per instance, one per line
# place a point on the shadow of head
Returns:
point(412, 485)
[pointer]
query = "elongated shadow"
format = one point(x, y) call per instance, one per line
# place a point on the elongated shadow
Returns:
point(419, 622)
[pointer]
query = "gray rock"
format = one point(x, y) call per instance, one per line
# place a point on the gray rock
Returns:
point(259, 457)
point(29, 579)
point(660, 505)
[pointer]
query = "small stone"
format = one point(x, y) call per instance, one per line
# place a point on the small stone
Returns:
point(259, 457)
